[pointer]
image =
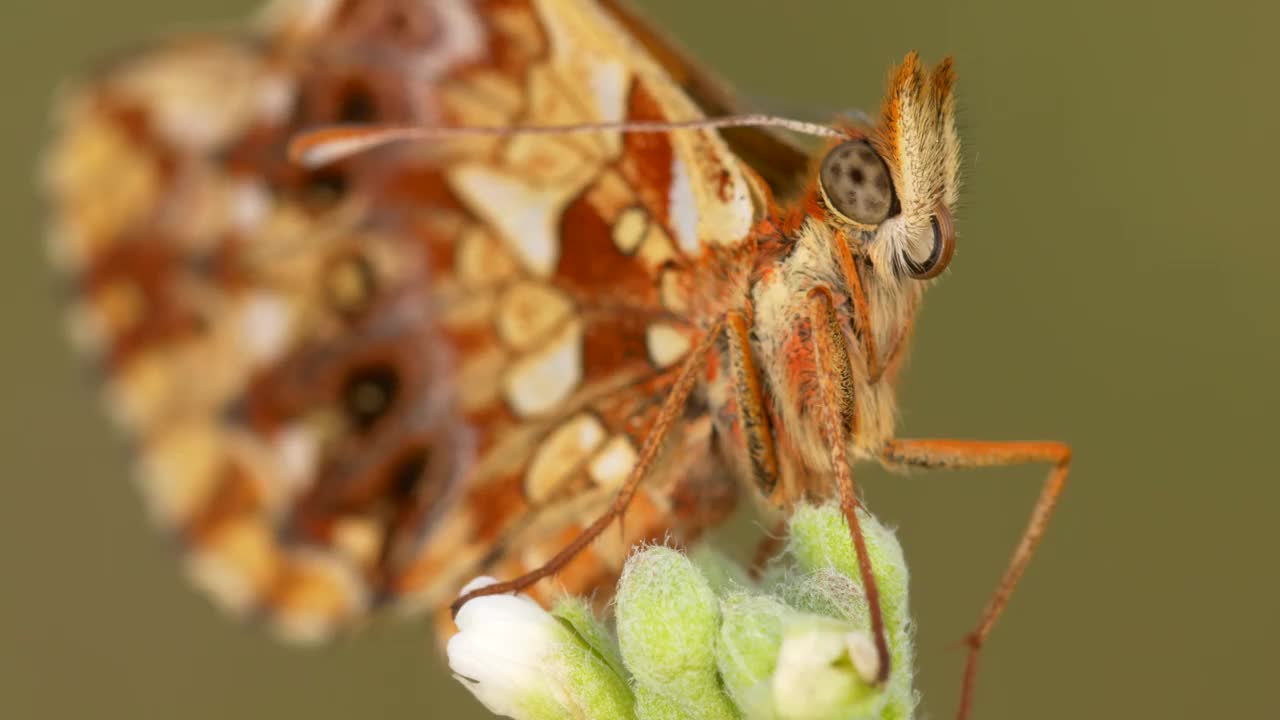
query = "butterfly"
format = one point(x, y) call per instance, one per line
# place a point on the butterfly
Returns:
point(359, 372)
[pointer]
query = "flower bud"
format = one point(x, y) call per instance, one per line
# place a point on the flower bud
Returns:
point(747, 649)
point(523, 663)
point(667, 622)
point(816, 679)
point(827, 582)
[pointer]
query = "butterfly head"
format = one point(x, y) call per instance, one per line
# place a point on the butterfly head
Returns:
point(892, 190)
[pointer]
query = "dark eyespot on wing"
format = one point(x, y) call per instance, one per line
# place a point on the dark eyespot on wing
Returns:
point(368, 394)
point(406, 475)
point(357, 104)
point(325, 188)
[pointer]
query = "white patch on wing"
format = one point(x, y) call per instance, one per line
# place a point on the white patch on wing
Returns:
point(298, 450)
point(527, 311)
point(611, 466)
point(593, 67)
point(629, 229)
point(250, 205)
point(525, 216)
point(609, 88)
point(276, 97)
point(563, 451)
point(542, 380)
point(683, 206)
point(460, 38)
point(710, 201)
point(199, 96)
point(666, 344)
point(264, 326)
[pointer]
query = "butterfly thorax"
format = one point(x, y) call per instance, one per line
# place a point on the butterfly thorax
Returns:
point(789, 266)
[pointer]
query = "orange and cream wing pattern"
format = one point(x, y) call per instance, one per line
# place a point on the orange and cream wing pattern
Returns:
point(261, 342)
point(362, 384)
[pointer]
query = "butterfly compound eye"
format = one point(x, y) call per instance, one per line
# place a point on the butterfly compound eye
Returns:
point(855, 183)
point(944, 245)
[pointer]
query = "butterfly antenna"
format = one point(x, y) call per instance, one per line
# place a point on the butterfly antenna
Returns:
point(315, 148)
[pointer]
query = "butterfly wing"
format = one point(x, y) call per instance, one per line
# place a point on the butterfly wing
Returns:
point(780, 162)
point(260, 342)
point(364, 383)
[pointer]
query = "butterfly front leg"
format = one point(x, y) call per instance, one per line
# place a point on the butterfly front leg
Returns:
point(753, 426)
point(834, 408)
point(752, 417)
point(875, 366)
point(974, 454)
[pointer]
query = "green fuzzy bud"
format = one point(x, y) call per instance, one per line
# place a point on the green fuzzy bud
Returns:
point(722, 573)
point(592, 687)
point(827, 582)
point(747, 649)
point(578, 617)
point(668, 618)
point(653, 705)
point(820, 541)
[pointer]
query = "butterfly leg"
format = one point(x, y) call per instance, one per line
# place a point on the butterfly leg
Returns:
point(972, 454)
point(876, 365)
point(668, 415)
point(753, 421)
point(831, 407)
point(749, 399)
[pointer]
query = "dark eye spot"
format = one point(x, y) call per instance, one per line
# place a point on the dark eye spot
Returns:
point(857, 176)
point(406, 475)
point(368, 394)
point(325, 188)
point(357, 104)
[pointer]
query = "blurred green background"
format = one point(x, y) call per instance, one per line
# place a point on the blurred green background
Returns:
point(1114, 288)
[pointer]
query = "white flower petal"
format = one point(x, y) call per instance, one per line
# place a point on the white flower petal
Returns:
point(863, 653)
point(805, 683)
point(483, 581)
point(505, 650)
point(484, 610)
